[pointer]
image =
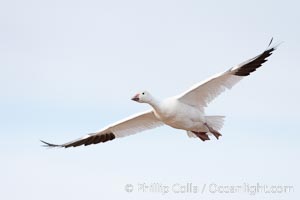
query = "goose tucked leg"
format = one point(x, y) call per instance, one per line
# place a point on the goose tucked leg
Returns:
point(216, 133)
point(202, 135)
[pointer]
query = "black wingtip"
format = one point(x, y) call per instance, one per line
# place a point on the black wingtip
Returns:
point(251, 65)
point(46, 144)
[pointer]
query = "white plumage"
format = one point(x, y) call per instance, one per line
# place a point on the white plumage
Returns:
point(134, 124)
point(184, 111)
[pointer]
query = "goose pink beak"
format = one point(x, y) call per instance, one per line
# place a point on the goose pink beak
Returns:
point(136, 97)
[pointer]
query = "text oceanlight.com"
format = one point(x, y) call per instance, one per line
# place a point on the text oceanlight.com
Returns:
point(211, 188)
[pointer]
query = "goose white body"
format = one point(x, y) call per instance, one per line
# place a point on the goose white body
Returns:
point(179, 115)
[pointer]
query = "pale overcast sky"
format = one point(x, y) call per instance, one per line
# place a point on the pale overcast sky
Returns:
point(70, 67)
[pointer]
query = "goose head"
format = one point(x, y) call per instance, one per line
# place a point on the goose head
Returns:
point(142, 97)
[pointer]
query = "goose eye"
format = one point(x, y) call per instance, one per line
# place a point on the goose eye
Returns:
point(143, 93)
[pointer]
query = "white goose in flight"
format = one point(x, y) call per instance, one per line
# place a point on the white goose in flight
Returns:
point(185, 111)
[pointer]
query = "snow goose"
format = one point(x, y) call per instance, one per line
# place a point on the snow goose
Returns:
point(184, 111)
